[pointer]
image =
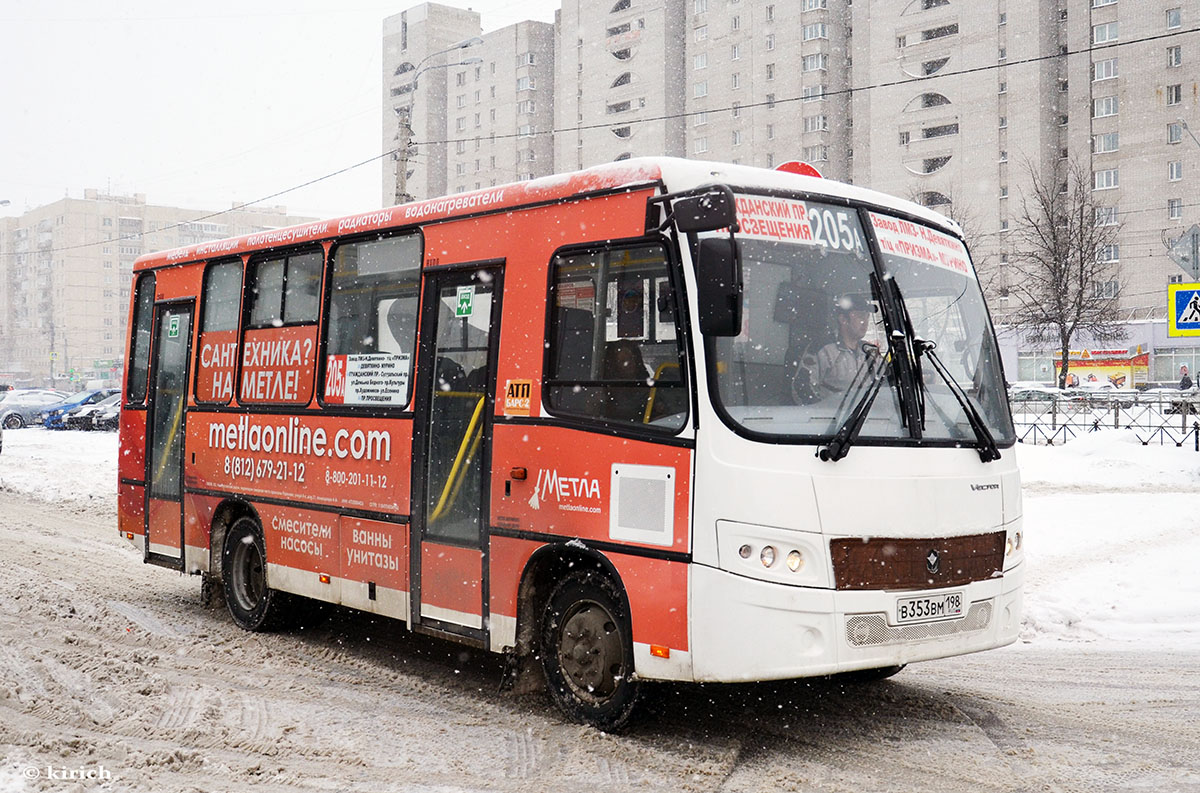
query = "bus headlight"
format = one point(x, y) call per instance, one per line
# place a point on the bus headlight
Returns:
point(784, 556)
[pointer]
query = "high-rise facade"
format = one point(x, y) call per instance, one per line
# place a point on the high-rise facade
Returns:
point(945, 120)
point(65, 274)
point(948, 102)
point(962, 100)
point(512, 88)
point(620, 71)
point(462, 109)
point(767, 83)
point(418, 48)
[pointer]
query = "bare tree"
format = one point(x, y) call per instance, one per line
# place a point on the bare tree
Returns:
point(1063, 277)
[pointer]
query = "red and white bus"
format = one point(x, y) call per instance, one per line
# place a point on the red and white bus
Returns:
point(655, 420)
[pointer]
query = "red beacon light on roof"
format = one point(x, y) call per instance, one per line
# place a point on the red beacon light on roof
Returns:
point(797, 167)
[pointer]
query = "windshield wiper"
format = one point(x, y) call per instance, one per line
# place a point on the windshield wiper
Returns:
point(985, 443)
point(839, 447)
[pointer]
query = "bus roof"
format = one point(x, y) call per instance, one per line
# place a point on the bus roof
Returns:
point(675, 173)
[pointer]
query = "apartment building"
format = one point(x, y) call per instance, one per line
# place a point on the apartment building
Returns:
point(65, 274)
point(947, 121)
point(767, 82)
point(968, 97)
point(475, 109)
point(620, 75)
point(947, 102)
point(418, 51)
point(512, 89)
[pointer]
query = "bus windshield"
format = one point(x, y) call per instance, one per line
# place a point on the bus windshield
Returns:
point(941, 294)
point(814, 340)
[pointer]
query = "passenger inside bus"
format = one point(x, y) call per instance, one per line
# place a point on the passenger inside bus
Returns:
point(626, 394)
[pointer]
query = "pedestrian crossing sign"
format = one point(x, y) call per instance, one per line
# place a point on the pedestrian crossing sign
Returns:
point(1183, 310)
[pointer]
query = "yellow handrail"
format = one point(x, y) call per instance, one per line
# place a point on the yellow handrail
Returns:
point(654, 390)
point(470, 456)
point(174, 429)
point(458, 458)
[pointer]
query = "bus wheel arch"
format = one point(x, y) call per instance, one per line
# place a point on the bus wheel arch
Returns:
point(253, 605)
point(225, 516)
point(575, 615)
point(547, 566)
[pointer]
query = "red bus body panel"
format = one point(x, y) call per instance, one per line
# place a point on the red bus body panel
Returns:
point(333, 492)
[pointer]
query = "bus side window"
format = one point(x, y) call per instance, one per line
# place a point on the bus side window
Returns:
point(285, 290)
point(221, 307)
point(283, 293)
point(139, 346)
point(616, 357)
point(370, 335)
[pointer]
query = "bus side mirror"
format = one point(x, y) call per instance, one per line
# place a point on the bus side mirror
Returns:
point(719, 287)
point(706, 212)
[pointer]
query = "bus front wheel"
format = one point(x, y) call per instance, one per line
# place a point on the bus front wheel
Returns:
point(587, 651)
point(252, 604)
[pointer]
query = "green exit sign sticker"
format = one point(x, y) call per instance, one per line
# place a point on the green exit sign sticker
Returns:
point(466, 301)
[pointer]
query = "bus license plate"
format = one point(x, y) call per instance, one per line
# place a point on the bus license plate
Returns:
point(929, 608)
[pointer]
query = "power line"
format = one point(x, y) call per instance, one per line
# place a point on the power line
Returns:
point(838, 92)
point(211, 215)
point(665, 117)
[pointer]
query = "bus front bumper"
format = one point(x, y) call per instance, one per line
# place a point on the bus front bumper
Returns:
point(743, 629)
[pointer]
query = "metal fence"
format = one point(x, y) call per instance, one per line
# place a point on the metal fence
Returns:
point(1057, 418)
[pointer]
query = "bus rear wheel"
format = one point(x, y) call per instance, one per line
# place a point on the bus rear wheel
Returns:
point(587, 651)
point(252, 604)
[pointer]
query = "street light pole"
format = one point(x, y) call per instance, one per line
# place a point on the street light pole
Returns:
point(1188, 130)
point(1185, 249)
point(404, 130)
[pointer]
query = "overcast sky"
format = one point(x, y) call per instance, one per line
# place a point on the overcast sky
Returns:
point(201, 104)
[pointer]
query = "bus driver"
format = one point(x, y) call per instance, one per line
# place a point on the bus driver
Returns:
point(839, 361)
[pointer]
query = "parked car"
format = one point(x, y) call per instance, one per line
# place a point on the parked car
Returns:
point(80, 417)
point(107, 417)
point(53, 417)
point(1026, 397)
point(1101, 395)
point(1037, 393)
point(22, 406)
point(1173, 399)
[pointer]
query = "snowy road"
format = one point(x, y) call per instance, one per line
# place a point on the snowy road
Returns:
point(109, 663)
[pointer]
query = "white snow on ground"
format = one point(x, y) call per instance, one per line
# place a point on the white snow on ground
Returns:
point(68, 467)
point(1113, 532)
point(1112, 528)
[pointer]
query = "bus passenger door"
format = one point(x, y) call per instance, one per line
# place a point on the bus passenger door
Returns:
point(452, 434)
point(165, 431)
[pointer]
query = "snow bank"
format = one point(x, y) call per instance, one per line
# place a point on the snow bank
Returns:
point(67, 467)
point(1112, 534)
point(1110, 461)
